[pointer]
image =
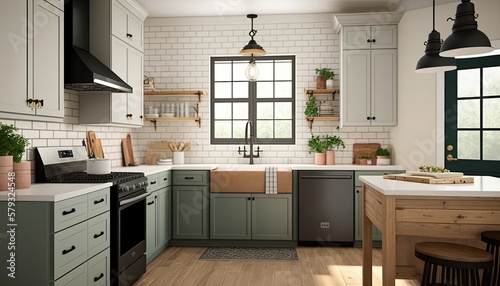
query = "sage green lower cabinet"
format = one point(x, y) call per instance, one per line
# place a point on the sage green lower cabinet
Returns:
point(158, 209)
point(251, 216)
point(58, 243)
point(190, 212)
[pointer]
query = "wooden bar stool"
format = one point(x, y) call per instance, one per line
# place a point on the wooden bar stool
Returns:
point(459, 264)
point(492, 239)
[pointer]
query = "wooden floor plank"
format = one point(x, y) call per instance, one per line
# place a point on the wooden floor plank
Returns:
point(320, 266)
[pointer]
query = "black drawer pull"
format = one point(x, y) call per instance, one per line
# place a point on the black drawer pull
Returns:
point(165, 179)
point(98, 235)
point(69, 212)
point(153, 182)
point(150, 203)
point(99, 201)
point(188, 178)
point(66, 251)
point(99, 277)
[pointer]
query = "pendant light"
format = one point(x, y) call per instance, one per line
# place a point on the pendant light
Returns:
point(466, 39)
point(252, 48)
point(432, 62)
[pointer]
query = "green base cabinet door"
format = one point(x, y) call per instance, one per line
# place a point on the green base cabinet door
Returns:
point(272, 217)
point(163, 216)
point(151, 224)
point(230, 216)
point(190, 212)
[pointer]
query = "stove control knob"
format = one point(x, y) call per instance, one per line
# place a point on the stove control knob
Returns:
point(124, 189)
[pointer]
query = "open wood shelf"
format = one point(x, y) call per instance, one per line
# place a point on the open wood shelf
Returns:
point(309, 92)
point(198, 93)
point(311, 120)
point(196, 119)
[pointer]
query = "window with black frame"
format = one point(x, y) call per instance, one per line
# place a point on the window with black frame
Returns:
point(268, 102)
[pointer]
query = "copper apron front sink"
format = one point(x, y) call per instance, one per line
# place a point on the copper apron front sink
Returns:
point(247, 179)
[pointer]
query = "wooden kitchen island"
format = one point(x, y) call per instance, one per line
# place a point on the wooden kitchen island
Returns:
point(408, 212)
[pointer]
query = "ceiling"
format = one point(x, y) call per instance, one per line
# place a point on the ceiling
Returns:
point(197, 8)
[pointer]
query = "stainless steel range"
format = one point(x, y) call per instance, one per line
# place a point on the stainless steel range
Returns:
point(128, 206)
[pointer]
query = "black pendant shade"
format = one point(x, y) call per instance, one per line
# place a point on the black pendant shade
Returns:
point(432, 62)
point(466, 39)
point(252, 48)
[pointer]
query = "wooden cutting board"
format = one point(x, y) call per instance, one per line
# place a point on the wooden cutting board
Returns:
point(156, 150)
point(128, 152)
point(364, 148)
point(430, 180)
point(91, 138)
point(98, 152)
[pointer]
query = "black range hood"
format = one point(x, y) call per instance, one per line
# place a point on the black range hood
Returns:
point(82, 70)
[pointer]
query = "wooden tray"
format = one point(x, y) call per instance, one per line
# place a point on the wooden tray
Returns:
point(429, 180)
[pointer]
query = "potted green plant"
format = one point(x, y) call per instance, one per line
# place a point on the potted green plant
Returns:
point(324, 74)
point(383, 156)
point(12, 147)
point(333, 143)
point(311, 108)
point(363, 159)
point(318, 145)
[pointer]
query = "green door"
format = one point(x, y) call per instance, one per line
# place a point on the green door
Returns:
point(190, 212)
point(472, 116)
point(272, 217)
point(230, 216)
point(150, 224)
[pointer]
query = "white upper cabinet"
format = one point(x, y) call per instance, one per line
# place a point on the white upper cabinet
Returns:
point(31, 73)
point(368, 68)
point(370, 37)
point(127, 27)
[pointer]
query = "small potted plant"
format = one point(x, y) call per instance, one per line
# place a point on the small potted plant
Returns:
point(333, 143)
point(12, 147)
point(324, 74)
point(363, 159)
point(383, 156)
point(311, 108)
point(318, 146)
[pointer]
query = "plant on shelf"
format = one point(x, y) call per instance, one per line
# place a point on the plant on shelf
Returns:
point(311, 108)
point(324, 74)
point(383, 156)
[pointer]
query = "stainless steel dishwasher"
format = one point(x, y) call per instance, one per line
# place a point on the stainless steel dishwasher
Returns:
point(326, 207)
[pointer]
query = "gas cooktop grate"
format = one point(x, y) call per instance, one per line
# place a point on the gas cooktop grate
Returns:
point(82, 177)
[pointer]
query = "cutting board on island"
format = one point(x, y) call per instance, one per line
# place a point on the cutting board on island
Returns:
point(429, 179)
point(364, 148)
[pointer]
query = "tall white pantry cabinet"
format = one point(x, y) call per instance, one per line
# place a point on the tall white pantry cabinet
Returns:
point(368, 68)
point(31, 69)
point(117, 39)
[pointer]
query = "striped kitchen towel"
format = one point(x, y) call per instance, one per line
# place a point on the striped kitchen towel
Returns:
point(271, 180)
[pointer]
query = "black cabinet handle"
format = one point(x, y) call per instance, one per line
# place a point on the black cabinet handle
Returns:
point(188, 178)
point(165, 179)
point(373, 41)
point(150, 203)
point(129, 36)
point(253, 198)
point(368, 118)
point(249, 198)
point(99, 277)
point(368, 41)
point(69, 212)
point(99, 201)
point(66, 251)
point(357, 191)
point(373, 118)
point(98, 235)
point(153, 183)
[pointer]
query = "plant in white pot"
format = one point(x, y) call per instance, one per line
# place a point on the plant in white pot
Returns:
point(333, 143)
point(13, 145)
point(383, 156)
point(318, 146)
point(324, 78)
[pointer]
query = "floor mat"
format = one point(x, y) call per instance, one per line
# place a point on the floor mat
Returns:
point(251, 253)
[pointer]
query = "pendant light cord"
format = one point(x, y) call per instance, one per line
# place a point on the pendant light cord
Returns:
point(433, 15)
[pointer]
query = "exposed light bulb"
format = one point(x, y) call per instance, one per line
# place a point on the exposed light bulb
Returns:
point(252, 72)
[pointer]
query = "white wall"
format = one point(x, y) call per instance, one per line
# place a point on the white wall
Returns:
point(177, 55)
point(418, 138)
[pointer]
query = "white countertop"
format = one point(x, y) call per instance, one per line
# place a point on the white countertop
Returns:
point(303, 167)
point(483, 186)
point(53, 192)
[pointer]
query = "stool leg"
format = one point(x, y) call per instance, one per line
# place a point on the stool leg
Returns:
point(434, 274)
point(425, 274)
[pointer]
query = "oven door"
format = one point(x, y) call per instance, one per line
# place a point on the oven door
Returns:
point(132, 230)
